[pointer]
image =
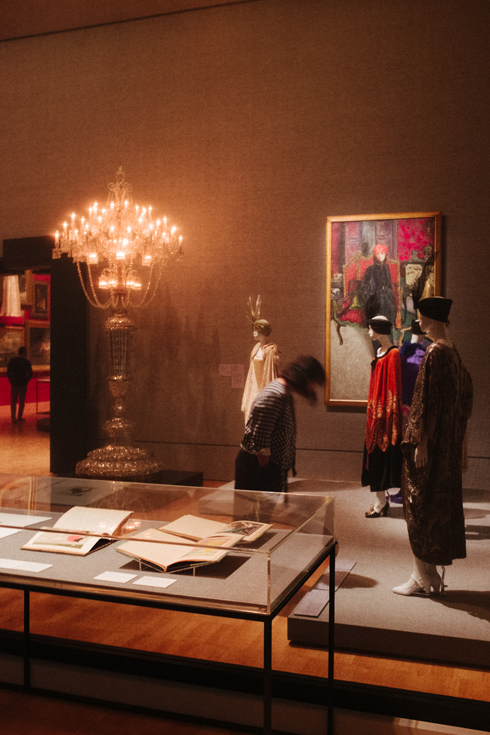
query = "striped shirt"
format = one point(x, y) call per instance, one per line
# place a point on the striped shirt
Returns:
point(272, 425)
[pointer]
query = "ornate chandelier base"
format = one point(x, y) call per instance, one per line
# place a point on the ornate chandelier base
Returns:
point(120, 463)
point(119, 459)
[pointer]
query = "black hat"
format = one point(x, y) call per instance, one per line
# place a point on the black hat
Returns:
point(380, 325)
point(416, 327)
point(435, 307)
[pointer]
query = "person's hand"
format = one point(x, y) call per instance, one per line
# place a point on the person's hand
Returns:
point(263, 459)
point(421, 454)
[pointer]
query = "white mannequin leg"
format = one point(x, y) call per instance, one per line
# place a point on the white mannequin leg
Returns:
point(423, 578)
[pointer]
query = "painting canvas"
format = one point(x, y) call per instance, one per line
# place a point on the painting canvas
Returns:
point(38, 342)
point(11, 338)
point(40, 300)
point(376, 265)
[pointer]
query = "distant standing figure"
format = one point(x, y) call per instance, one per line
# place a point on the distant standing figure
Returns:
point(432, 485)
point(376, 290)
point(264, 359)
point(19, 373)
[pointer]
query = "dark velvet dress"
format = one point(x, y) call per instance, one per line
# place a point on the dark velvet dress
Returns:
point(382, 460)
point(432, 495)
point(376, 292)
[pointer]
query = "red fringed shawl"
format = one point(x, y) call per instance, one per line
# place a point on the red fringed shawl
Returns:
point(384, 409)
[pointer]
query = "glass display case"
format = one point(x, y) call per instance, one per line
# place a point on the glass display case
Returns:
point(236, 550)
point(214, 551)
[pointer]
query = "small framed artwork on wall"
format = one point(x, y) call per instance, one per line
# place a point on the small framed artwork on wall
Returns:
point(11, 338)
point(40, 297)
point(377, 264)
point(38, 342)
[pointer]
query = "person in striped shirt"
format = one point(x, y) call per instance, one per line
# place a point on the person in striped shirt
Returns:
point(268, 448)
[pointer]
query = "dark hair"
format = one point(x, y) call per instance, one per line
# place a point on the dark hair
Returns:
point(304, 370)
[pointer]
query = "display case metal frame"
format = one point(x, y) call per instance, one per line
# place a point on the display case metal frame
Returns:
point(30, 584)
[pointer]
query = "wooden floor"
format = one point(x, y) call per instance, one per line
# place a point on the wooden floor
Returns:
point(25, 451)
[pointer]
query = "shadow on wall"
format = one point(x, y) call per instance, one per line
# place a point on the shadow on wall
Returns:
point(175, 395)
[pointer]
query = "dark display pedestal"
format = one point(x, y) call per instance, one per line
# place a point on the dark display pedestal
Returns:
point(163, 477)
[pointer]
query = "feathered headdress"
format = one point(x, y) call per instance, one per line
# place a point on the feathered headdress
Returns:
point(253, 315)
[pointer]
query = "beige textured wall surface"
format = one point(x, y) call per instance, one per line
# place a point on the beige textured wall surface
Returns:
point(247, 125)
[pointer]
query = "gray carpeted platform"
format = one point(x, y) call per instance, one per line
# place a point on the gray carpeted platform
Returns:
point(453, 628)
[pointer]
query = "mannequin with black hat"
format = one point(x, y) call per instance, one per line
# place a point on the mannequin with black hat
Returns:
point(433, 454)
point(382, 457)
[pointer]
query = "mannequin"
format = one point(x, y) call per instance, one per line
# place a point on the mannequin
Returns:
point(433, 454)
point(382, 454)
point(264, 359)
point(411, 354)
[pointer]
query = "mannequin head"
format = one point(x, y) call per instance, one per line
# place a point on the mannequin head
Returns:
point(261, 330)
point(259, 337)
point(434, 315)
point(436, 308)
point(417, 333)
point(379, 327)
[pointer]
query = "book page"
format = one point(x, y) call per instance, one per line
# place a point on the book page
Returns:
point(143, 546)
point(99, 521)
point(247, 530)
point(193, 527)
point(169, 552)
point(64, 543)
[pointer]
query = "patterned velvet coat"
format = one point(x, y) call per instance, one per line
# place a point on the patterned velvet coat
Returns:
point(432, 495)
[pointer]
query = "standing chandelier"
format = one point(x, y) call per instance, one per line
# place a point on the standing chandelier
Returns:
point(124, 249)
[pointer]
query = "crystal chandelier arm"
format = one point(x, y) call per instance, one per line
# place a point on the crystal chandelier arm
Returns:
point(95, 300)
point(150, 290)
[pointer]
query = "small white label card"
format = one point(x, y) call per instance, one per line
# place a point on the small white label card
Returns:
point(120, 577)
point(155, 581)
point(19, 519)
point(23, 566)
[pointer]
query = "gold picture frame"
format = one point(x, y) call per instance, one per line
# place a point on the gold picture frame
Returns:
point(408, 246)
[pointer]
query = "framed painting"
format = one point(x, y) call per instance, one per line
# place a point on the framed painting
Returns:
point(11, 338)
point(40, 297)
point(38, 342)
point(25, 288)
point(377, 264)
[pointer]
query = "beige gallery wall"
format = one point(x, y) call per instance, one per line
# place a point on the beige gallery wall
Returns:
point(247, 125)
